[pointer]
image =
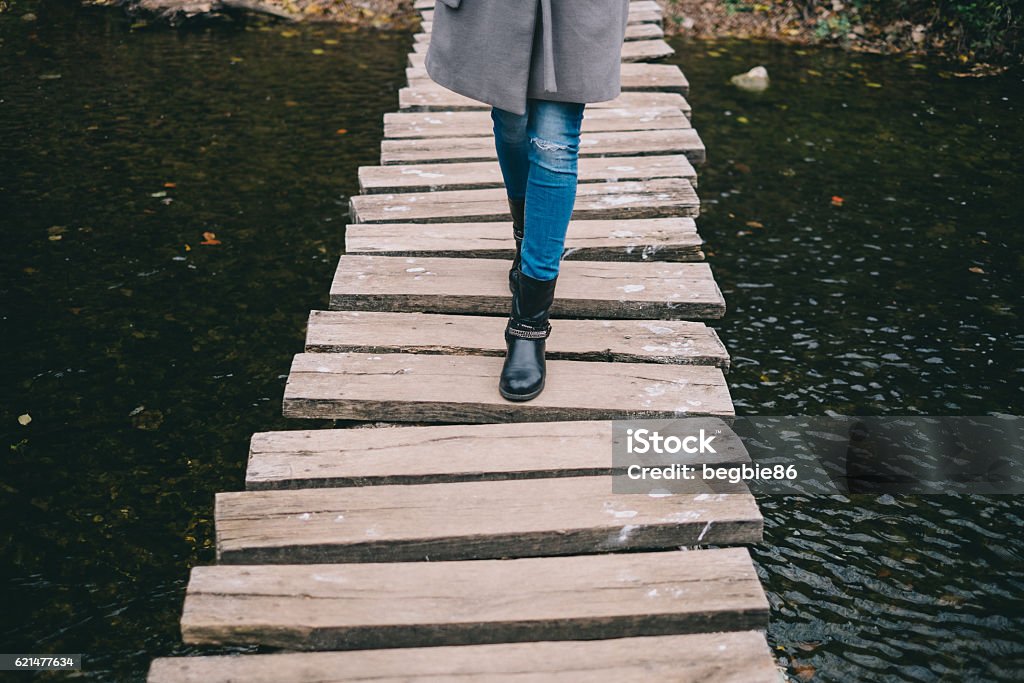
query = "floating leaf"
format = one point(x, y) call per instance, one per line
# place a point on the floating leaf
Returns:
point(754, 224)
point(209, 239)
point(170, 184)
point(317, 50)
point(872, 84)
point(341, 131)
point(837, 200)
point(23, 420)
point(742, 119)
point(977, 269)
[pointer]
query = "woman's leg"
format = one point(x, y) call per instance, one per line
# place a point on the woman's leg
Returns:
point(512, 147)
point(553, 129)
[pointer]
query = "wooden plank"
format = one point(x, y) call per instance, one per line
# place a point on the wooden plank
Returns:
point(475, 175)
point(585, 289)
point(639, 13)
point(426, 388)
point(635, 77)
point(359, 606)
point(447, 124)
point(673, 342)
point(659, 198)
point(433, 97)
point(684, 141)
point(633, 51)
point(727, 657)
point(652, 239)
point(472, 520)
point(335, 458)
point(645, 31)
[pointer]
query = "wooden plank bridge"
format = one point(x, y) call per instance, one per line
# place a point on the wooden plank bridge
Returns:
point(459, 534)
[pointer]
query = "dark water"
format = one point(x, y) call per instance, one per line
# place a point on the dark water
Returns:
point(872, 308)
point(146, 364)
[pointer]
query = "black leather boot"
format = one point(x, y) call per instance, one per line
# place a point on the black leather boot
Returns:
point(517, 207)
point(522, 375)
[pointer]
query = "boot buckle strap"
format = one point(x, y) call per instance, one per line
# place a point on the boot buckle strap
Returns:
point(525, 332)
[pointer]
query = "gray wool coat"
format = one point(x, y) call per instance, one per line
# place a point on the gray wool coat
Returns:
point(503, 51)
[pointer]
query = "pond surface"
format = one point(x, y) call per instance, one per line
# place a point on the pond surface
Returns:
point(146, 358)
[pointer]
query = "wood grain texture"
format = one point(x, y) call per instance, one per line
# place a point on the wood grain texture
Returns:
point(651, 239)
point(334, 458)
point(673, 342)
point(683, 141)
point(585, 289)
point(473, 520)
point(446, 124)
point(476, 175)
point(356, 606)
point(725, 657)
point(639, 77)
point(658, 198)
point(427, 388)
point(433, 97)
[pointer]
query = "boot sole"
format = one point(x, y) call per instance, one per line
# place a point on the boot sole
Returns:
point(521, 397)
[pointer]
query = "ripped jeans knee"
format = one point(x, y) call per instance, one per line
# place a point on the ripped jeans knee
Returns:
point(557, 156)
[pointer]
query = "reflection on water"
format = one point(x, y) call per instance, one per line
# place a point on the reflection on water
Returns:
point(145, 358)
point(862, 217)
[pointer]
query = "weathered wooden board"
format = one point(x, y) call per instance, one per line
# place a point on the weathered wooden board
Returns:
point(334, 458)
point(358, 606)
point(432, 97)
point(658, 198)
point(428, 388)
point(646, 31)
point(478, 123)
point(684, 141)
point(651, 239)
point(472, 520)
point(633, 51)
point(475, 175)
point(674, 342)
point(634, 77)
point(639, 13)
point(585, 289)
point(725, 657)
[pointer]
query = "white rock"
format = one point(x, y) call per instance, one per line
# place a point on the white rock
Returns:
point(754, 80)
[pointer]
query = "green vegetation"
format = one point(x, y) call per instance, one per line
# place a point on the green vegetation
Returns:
point(982, 29)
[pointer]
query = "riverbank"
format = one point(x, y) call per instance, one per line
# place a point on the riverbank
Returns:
point(974, 37)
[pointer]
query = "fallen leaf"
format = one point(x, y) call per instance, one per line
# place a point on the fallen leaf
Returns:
point(209, 239)
point(872, 84)
point(341, 131)
point(754, 224)
point(976, 269)
point(742, 119)
point(804, 671)
point(317, 50)
point(188, 247)
point(169, 184)
point(837, 200)
point(23, 420)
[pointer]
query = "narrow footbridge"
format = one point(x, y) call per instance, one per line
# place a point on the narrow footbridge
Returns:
point(456, 535)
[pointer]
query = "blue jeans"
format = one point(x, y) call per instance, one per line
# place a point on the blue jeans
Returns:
point(538, 154)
